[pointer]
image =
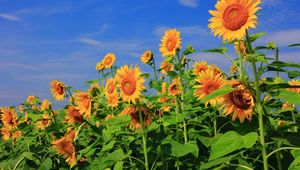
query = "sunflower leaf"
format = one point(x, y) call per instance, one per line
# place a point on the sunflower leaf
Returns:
point(294, 45)
point(221, 91)
point(290, 96)
point(216, 50)
point(255, 36)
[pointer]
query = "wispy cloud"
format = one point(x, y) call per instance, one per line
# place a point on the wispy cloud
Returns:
point(90, 41)
point(9, 17)
point(189, 3)
point(283, 38)
point(186, 30)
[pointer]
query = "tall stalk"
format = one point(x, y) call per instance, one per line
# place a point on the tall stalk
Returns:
point(258, 105)
point(144, 135)
point(154, 69)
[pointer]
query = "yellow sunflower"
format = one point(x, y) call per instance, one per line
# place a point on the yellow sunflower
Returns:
point(130, 83)
point(208, 82)
point(109, 60)
point(133, 112)
point(147, 56)
point(240, 102)
point(109, 116)
point(45, 122)
point(165, 67)
point(215, 69)
point(232, 17)
point(175, 87)
point(94, 87)
point(45, 105)
point(65, 147)
point(30, 100)
point(9, 118)
point(294, 83)
point(83, 102)
point(112, 99)
point(73, 115)
point(5, 134)
point(170, 43)
point(240, 47)
point(110, 87)
point(233, 69)
point(21, 108)
point(199, 67)
point(58, 90)
point(163, 87)
point(100, 66)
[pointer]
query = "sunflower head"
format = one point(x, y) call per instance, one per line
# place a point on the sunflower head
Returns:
point(65, 147)
point(133, 112)
point(30, 100)
point(207, 83)
point(170, 43)
point(9, 118)
point(5, 134)
point(240, 102)
point(199, 67)
point(73, 115)
point(165, 66)
point(112, 99)
point(100, 66)
point(175, 87)
point(232, 17)
point(58, 90)
point(83, 102)
point(109, 60)
point(147, 56)
point(233, 69)
point(240, 47)
point(45, 105)
point(110, 87)
point(94, 89)
point(130, 82)
point(287, 106)
point(109, 116)
point(294, 83)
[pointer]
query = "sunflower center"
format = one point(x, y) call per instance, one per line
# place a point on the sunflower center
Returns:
point(110, 88)
point(238, 99)
point(60, 89)
point(235, 16)
point(128, 86)
point(86, 102)
point(67, 148)
point(170, 44)
point(210, 87)
point(108, 60)
point(174, 87)
point(201, 68)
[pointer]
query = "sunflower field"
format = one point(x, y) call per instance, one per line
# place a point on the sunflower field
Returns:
point(185, 114)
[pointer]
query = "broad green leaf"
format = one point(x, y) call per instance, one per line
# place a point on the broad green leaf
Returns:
point(189, 50)
point(293, 74)
point(281, 64)
point(295, 165)
point(232, 141)
point(116, 156)
point(293, 45)
point(46, 164)
point(290, 96)
point(210, 164)
point(108, 146)
point(29, 156)
point(216, 50)
point(221, 91)
point(119, 165)
point(179, 150)
point(255, 36)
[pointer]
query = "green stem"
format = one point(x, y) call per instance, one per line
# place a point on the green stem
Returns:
point(258, 106)
point(144, 135)
point(154, 69)
point(283, 148)
point(215, 123)
point(102, 78)
point(294, 121)
point(278, 155)
point(19, 161)
point(276, 57)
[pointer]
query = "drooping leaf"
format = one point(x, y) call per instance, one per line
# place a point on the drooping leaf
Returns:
point(179, 150)
point(221, 91)
point(290, 96)
point(216, 50)
point(255, 36)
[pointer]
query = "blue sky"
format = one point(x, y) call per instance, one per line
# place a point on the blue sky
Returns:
point(64, 39)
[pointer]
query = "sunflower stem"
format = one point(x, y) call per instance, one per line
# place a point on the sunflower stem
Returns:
point(154, 69)
point(258, 106)
point(277, 58)
point(294, 121)
point(215, 123)
point(278, 155)
point(144, 135)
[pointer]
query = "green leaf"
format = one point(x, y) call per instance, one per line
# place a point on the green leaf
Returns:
point(255, 36)
point(46, 164)
point(293, 45)
point(117, 155)
point(281, 64)
point(29, 156)
point(232, 141)
point(179, 150)
point(210, 164)
point(119, 165)
point(293, 74)
point(108, 146)
point(295, 165)
point(290, 96)
point(221, 91)
point(216, 50)
point(189, 50)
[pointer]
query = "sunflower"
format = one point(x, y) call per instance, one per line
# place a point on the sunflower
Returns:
point(130, 83)
point(45, 105)
point(199, 67)
point(5, 134)
point(208, 82)
point(94, 88)
point(73, 115)
point(30, 100)
point(165, 67)
point(112, 99)
point(58, 90)
point(65, 147)
point(170, 43)
point(147, 56)
point(45, 122)
point(175, 87)
point(100, 66)
point(294, 83)
point(133, 112)
point(21, 108)
point(215, 69)
point(232, 17)
point(16, 134)
point(240, 102)
point(109, 60)
point(109, 116)
point(110, 87)
point(83, 102)
point(240, 47)
point(287, 106)
point(163, 87)
point(233, 69)
point(9, 118)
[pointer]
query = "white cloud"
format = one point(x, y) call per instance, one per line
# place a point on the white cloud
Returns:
point(189, 3)
point(90, 41)
point(186, 30)
point(9, 17)
point(282, 38)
